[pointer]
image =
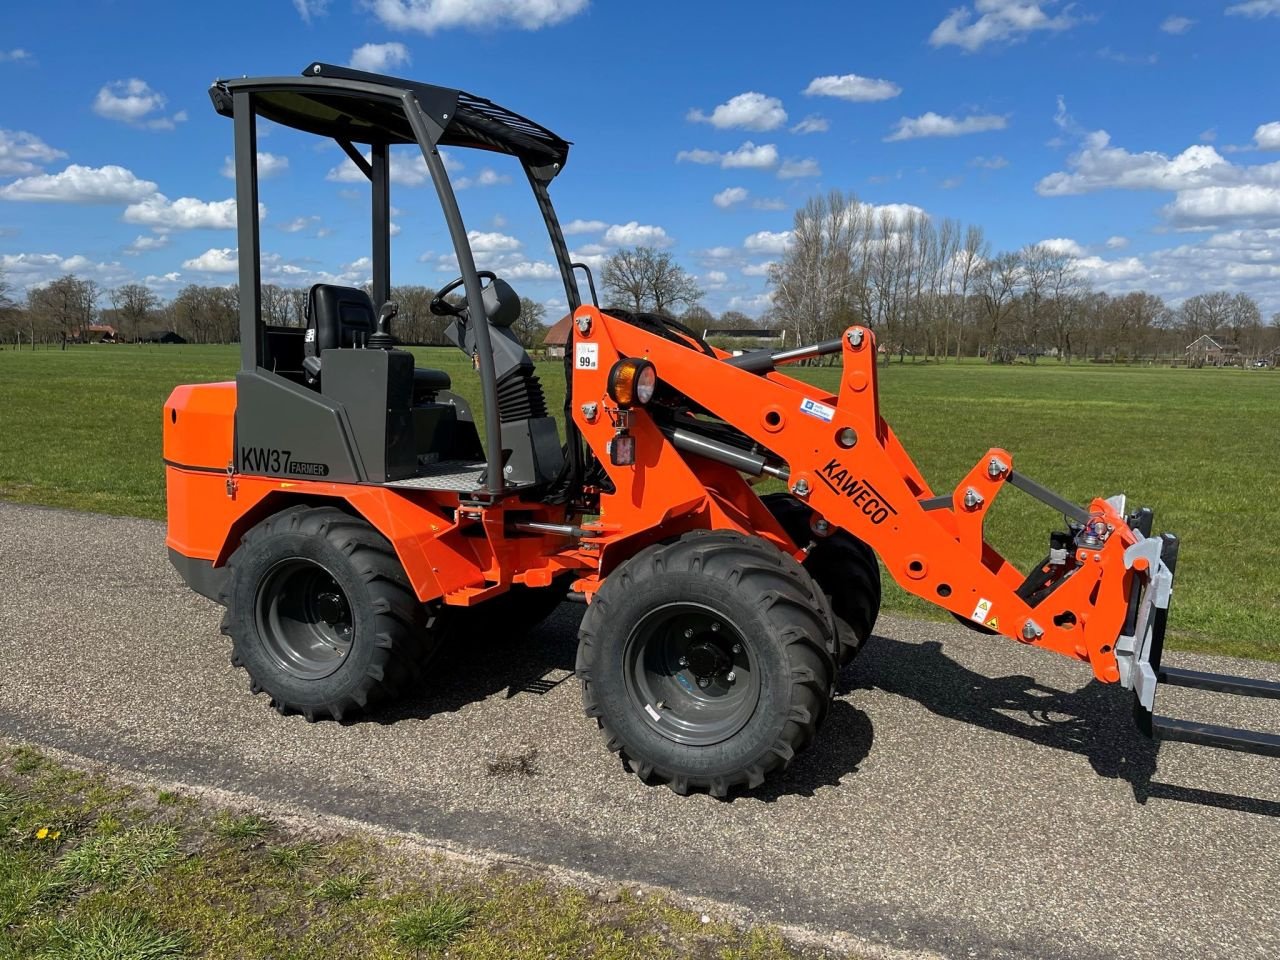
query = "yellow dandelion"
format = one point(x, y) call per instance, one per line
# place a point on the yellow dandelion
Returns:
point(42, 833)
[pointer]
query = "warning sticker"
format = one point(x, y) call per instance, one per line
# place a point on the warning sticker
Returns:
point(815, 409)
point(982, 611)
point(994, 623)
point(586, 356)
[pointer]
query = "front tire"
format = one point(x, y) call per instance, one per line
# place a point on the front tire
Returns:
point(321, 615)
point(708, 662)
point(844, 567)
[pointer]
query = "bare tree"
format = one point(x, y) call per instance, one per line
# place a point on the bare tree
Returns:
point(997, 283)
point(529, 328)
point(63, 308)
point(644, 278)
point(134, 305)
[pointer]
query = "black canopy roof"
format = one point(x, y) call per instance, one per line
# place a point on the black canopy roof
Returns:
point(360, 107)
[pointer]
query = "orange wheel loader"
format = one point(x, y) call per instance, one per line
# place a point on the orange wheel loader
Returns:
point(350, 512)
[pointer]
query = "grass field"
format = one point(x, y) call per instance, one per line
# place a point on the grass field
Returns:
point(81, 428)
point(94, 869)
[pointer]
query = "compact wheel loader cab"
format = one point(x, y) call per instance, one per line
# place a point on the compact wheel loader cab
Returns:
point(352, 512)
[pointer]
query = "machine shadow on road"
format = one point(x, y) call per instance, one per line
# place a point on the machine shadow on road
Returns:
point(467, 670)
point(1095, 721)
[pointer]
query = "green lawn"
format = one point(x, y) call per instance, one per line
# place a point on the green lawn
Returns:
point(81, 428)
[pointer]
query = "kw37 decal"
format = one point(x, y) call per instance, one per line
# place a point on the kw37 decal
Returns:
point(864, 496)
point(274, 460)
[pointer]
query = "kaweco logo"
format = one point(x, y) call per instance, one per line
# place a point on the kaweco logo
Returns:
point(272, 460)
point(864, 496)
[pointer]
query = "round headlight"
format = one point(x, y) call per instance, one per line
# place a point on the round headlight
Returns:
point(631, 381)
point(646, 380)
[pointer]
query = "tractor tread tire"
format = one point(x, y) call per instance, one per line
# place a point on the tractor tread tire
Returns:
point(743, 573)
point(394, 636)
point(843, 566)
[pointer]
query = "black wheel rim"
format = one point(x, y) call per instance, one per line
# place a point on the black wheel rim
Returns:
point(691, 674)
point(304, 619)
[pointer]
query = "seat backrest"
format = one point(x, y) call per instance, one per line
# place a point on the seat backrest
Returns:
point(337, 317)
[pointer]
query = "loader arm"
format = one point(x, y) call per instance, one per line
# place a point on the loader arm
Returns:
point(1101, 596)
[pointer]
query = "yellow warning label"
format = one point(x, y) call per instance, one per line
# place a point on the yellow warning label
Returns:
point(994, 623)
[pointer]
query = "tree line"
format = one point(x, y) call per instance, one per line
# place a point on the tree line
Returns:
point(63, 310)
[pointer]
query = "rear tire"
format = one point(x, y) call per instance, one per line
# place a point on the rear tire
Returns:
point(844, 567)
point(708, 662)
point(321, 615)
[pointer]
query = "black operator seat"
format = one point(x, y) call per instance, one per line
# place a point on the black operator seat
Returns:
point(341, 317)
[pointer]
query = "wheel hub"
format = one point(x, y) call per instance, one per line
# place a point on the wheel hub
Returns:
point(707, 659)
point(332, 608)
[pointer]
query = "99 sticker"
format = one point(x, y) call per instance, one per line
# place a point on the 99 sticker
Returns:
point(586, 356)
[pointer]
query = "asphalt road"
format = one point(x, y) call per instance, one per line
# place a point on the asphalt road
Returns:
point(967, 796)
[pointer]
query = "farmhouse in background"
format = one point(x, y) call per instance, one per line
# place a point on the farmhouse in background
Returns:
point(1205, 351)
point(161, 336)
point(557, 337)
point(94, 333)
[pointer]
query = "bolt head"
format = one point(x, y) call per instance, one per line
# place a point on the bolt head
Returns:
point(801, 487)
point(584, 324)
point(856, 337)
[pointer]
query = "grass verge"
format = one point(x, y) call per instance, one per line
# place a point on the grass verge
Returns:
point(94, 870)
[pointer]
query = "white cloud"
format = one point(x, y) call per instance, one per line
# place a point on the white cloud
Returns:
point(996, 21)
point(28, 270)
point(1256, 9)
point(485, 178)
point(530, 270)
point(1208, 188)
point(298, 224)
point(752, 305)
point(593, 260)
point(1267, 136)
point(428, 16)
point(729, 196)
point(133, 102)
point(850, 86)
point(23, 153)
point(379, 57)
point(583, 226)
point(634, 234)
point(793, 169)
point(1176, 24)
point(935, 125)
point(747, 156)
point(746, 111)
point(813, 123)
point(145, 244)
point(269, 165)
point(185, 213)
point(491, 242)
point(1063, 245)
point(407, 169)
point(766, 241)
point(758, 269)
point(1247, 201)
point(1117, 242)
point(311, 8)
point(769, 203)
point(715, 279)
point(77, 184)
point(995, 162)
point(215, 260)
point(16, 55)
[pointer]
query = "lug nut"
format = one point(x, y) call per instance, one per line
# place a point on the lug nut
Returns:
point(683, 661)
point(731, 676)
point(715, 628)
point(737, 648)
point(704, 682)
point(688, 632)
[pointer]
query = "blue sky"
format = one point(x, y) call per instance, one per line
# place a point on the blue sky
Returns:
point(1142, 137)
